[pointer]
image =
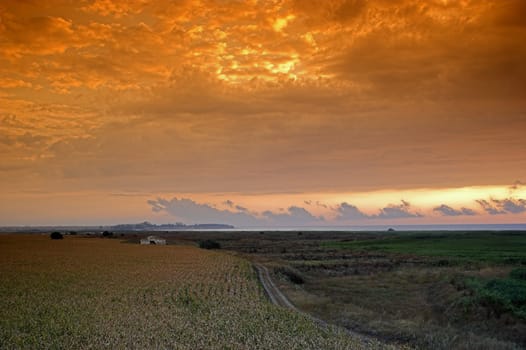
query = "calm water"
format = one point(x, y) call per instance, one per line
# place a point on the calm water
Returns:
point(479, 227)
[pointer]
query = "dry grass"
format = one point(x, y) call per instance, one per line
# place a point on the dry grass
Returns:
point(410, 305)
point(99, 293)
point(436, 290)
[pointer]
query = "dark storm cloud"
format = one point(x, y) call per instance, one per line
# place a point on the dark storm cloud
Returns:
point(510, 205)
point(397, 211)
point(490, 208)
point(346, 211)
point(503, 206)
point(292, 216)
point(446, 210)
point(350, 212)
point(190, 211)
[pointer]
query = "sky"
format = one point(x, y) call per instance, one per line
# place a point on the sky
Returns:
point(262, 113)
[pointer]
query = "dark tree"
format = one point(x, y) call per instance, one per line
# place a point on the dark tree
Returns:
point(56, 235)
point(209, 244)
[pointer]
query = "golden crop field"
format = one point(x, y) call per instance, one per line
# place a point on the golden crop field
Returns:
point(92, 293)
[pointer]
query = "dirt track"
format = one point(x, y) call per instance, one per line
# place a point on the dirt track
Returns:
point(278, 298)
point(273, 293)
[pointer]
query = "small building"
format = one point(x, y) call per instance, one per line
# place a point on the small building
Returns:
point(153, 240)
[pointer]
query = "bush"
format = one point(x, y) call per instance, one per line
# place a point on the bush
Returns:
point(499, 295)
point(107, 234)
point(441, 262)
point(209, 244)
point(512, 291)
point(291, 274)
point(56, 235)
point(518, 273)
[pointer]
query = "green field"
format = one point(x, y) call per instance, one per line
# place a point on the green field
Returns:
point(503, 294)
point(94, 293)
point(475, 246)
point(507, 294)
point(429, 290)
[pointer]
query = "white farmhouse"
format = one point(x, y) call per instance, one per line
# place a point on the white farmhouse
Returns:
point(153, 240)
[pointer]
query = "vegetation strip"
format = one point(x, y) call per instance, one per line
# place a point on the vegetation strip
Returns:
point(278, 298)
point(432, 290)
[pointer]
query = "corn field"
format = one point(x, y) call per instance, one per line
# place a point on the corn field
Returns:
point(92, 293)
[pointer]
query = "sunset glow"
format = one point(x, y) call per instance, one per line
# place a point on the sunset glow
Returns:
point(278, 112)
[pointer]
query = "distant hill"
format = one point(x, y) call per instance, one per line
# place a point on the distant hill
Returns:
point(147, 226)
point(143, 226)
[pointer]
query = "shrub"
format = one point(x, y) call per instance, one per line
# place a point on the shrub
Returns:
point(498, 295)
point(107, 234)
point(512, 291)
point(56, 235)
point(441, 262)
point(209, 244)
point(291, 274)
point(518, 273)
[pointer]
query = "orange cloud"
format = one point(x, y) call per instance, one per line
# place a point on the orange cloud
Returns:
point(38, 35)
point(276, 96)
point(116, 9)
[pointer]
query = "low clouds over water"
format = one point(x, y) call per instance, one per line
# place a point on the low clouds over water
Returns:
point(187, 210)
point(446, 210)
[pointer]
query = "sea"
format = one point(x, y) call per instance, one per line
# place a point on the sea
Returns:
point(455, 227)
point(349, 228)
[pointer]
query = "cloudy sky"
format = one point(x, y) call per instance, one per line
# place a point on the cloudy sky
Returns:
point(279, 112)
